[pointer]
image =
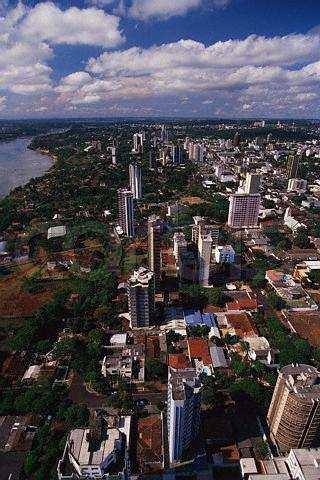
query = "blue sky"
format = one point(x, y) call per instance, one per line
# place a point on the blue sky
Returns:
point(215, 58)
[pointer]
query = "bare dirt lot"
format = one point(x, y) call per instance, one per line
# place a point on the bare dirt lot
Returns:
point(14, 302)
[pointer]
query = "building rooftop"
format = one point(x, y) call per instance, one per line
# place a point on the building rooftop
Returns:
point(242, 324)
point(199, 348)
point(178, 361)
point(181, 379)
point(149, 443)
point(141, 277)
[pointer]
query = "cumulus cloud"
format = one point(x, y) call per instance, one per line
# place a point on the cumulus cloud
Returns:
point(145, 9)
point(231, 70)
point(73, 26)
point(257, 75)
point(28, 37)
point(164, 9)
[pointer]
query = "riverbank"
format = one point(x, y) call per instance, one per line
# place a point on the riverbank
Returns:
point(19, 164)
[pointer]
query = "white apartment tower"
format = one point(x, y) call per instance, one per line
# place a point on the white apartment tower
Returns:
point(204, 257)
point(138, 139)
point(183, 411)
point(126, 212)
point(135, 180)
point(155, 230)
point(243, 210)
point(141, 289)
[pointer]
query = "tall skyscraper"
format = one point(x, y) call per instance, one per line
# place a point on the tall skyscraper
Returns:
point(177, 154)
point(243, 210)
point(135, 180)
point(164, 136)
point(183, 411)
point(138, 139)
point(196, 152)
point(141, 297)
point(152, 159)
point(204, 256)
point(252, 183)
point(126, 212)
point(155, 230)
point(293, 166)
point(236, 140)
point(294, 412)
point(197, 228)
point(179, 245)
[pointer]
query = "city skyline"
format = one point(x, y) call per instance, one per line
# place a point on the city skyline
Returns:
point(132, 58)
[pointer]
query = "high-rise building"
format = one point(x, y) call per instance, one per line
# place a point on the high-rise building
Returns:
point(200, 227)
point(126, 212)
point(196, 152)
point(294, 412)
point(152, 159)
point(155, 230)
point(236, 140)
point(179, 245)
point(243, 210)
point(183, 411)
point(197, 228)
point(297, 185)
point(204, 256)
point(141, 297)
point(164, 134)
point(293, 166)
point(135, 180)
point(252, 183)
point(177, 154)
point(138, 139)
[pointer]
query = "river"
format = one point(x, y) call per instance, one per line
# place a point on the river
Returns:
point(18, 164)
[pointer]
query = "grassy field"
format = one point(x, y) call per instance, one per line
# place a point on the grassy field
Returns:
point(14, 302)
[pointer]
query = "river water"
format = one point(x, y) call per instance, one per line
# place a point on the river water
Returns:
point(18, 164)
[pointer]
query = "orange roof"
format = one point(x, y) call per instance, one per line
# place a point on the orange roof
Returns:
point(199, 348)
point(242, 324)
point(149, 443)
point(243, 304)
point(178, 361)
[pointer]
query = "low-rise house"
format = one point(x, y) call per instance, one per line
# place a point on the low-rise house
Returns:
point(16, 437)
point(303, 269)
point(199, 354)
point(195, 318)
point(299, 464)
point(218, 357)
point(56, 232)
point(296, 298)
point(259, 349)
point(128, 363)
point(292, 222)
point(241, 325)
point(150, 455)
point(247, 304)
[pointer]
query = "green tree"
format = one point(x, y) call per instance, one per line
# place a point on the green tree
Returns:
point(155, 370)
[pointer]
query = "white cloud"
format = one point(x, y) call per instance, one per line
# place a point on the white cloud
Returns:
point(226, 71)
point(164, 9)
point(90, 26)
point(100, 3)
point(146, 9)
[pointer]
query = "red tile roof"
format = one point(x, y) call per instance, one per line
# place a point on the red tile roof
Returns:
point(242, 324)
point(178, 361)
point(149, 443)
point(243, 304)
point(199, 348)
